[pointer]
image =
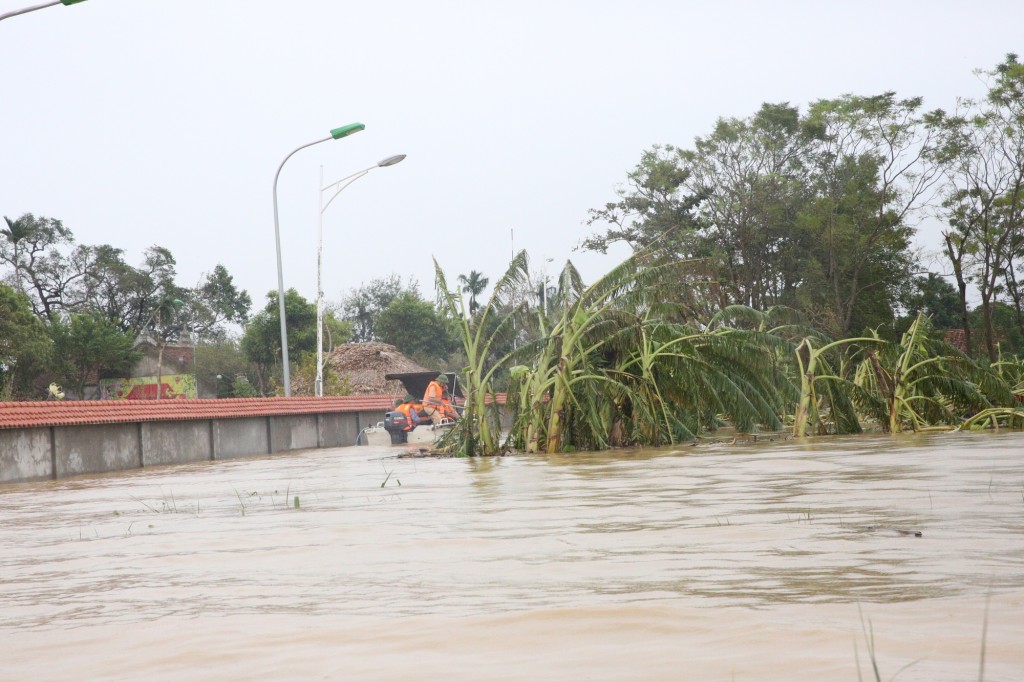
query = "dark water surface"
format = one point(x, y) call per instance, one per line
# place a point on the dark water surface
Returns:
point(762, 561)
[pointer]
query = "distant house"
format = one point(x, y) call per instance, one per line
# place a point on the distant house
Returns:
point(956, 338)
point(173, 371)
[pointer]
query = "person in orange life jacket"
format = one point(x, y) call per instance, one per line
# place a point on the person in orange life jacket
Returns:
point(410, 409)
point(437, 402)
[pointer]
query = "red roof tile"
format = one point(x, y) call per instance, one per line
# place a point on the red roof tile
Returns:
point(15, 415)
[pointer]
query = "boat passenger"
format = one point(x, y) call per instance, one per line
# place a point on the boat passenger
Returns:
point(411, 409)
point(437, 402)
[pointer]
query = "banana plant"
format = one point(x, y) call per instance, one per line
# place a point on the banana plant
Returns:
point(813, 369)
point(923, 382)
point(479, 429)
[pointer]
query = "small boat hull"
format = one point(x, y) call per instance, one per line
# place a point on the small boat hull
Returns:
point(424, 434)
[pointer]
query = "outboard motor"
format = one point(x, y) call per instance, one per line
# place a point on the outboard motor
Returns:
point(395, 424)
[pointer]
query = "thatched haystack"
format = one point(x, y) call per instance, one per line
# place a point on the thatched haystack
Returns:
point(365, 365)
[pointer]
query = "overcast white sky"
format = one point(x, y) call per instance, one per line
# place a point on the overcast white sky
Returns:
point(141, 122)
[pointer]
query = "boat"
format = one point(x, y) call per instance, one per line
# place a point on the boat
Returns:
point(392, 431)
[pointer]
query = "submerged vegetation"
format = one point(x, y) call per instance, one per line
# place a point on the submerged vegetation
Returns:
point(624, 361)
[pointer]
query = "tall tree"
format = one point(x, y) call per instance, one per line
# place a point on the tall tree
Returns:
point(215, 303)
point(87, 346)
point(871, 178)
point(753, 174)
point(24, 346)
point(653, 208)
point(15, 233)
point(474, 285)
point(261, 341)
point(32, 245)
point(362, 305)
point(415, 328)
point(982, 157)
point(933, 296)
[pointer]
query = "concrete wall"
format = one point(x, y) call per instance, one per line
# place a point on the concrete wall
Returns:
point(293, 432)
point(96, 449)
point(337, 430)
point(240, 437)
point(176, 442)
point(25, 455)
point(60, 451)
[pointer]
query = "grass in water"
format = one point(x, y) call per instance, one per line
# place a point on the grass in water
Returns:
point(869, 637)
point(984, 636)
point(241, 504)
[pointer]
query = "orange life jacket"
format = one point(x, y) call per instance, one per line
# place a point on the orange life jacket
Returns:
point(412, 416)
point(434, 395)
point(435, 398)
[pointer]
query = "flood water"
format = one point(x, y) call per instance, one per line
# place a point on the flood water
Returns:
point(771, 561)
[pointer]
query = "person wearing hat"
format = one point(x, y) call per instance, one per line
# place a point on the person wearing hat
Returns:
point(410, 409)
point(437, 402)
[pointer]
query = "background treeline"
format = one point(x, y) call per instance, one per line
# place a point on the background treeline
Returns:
point(73, 313)
point(816, 211)
point(812, 210)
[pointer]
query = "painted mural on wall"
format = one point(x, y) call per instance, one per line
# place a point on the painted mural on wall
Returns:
point(172, 386)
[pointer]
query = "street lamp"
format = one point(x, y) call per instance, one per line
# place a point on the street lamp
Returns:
point(8, 15)
point(340, 184)
point(336, 134)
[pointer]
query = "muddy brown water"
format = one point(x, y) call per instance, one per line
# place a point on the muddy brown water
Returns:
point(769, 561)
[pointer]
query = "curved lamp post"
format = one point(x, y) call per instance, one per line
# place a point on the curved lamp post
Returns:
point(340, 185)
point(336, 134)
point(8, 15)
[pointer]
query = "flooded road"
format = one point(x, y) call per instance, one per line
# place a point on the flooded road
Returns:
point(776, 560)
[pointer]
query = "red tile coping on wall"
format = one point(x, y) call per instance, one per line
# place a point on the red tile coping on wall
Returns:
point(72, 412)
point(19, 415)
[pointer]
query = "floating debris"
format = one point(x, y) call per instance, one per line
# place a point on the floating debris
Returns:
point(895, 531)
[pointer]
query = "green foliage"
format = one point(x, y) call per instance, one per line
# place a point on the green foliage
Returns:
point(936, 298)
point(982, 158)
point(241, 388)
point(62, 278)
point(605, 369)
point(31, 245)
point(810, 212)
point(304, 380)
point(261, 342)
point(362, 306)
point(214, 303)
point(1006, 329)
point(415, 328)
point(474, 285)
point(922, 381)
point(655, 209)
point(24, 345)
point(479, 429)
point(220, 365)
point(88, 346)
